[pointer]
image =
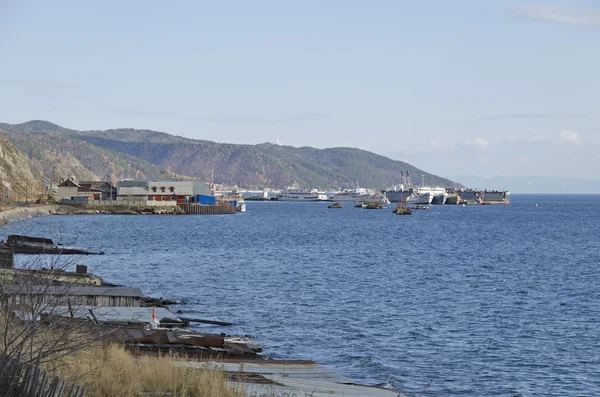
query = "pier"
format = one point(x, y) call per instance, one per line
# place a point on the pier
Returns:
point(199, 209)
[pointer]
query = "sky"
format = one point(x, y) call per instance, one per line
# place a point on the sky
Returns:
point(481, 88)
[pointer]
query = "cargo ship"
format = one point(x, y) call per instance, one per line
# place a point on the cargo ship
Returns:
point(494, 197)
point(398, 195)
point(468, 196)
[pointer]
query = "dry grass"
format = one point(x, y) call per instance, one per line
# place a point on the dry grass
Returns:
point(109, 370)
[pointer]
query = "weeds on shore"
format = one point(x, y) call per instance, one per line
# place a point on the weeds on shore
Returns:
point(109, 370)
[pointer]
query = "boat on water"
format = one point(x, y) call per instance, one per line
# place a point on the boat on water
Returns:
point(399, 195)
point(453, 199)
point(439, 195)
point(420, 197)
point(468, 196)
point(358, 194)
point(336, 205)
point(301, 195)
point(259, 196)
point(494, 197)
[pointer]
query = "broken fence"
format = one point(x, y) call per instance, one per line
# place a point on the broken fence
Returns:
point(19, 379)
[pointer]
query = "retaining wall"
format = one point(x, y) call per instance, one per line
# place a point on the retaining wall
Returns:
point(15, 214)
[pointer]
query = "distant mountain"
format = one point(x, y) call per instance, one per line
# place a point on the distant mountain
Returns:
point(145, 153)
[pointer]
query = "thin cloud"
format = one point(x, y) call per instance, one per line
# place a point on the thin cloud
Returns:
point(521, 158)
point(40, 84)
point(570, 136)
point(144, 113)
point(565, 15)
point(478, 142)
point(537, 138)
point(532, 115)
point(235, 120)
point(258, 120)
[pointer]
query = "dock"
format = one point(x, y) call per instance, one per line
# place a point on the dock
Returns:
point(200, 209)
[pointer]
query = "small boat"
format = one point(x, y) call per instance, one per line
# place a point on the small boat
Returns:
point(420, 207)
point(335, 205)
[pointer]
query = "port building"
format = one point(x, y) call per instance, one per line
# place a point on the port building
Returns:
point(180, 191)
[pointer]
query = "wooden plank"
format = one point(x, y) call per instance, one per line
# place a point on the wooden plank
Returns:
point(199, 320)
point(61, 388)
point(25, 380)
point(43, 385)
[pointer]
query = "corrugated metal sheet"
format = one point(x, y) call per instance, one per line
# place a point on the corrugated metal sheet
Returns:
point(314, 388)
point(71, 290)
point(289, 378)
point(116, 314)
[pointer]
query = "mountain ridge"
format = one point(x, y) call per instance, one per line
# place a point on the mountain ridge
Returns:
point(128, 152)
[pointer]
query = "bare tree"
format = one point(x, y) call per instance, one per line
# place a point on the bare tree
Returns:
point(33, 326)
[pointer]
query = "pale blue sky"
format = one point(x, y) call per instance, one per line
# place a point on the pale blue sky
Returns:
point(462, 87)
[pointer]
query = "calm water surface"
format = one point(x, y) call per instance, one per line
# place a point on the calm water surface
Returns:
point(465, 301)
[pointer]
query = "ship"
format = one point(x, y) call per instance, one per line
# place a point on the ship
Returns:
point(301, 195)
point(452, 199)
point(439, 195)
point(358, 194)
point(494, 197)
point(468, 196)
point(420, 197)
point(425, 194)
point(400, 194)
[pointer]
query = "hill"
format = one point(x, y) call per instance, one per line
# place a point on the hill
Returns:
point(145, 153)
point(55, 153)
point(18, 181)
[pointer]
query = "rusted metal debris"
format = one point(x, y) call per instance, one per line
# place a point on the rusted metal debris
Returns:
point(39, 245)
point(183, 343)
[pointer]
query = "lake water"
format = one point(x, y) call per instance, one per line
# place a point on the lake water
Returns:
point(466, 301)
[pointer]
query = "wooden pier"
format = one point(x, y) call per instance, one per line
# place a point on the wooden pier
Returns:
point(199, 209)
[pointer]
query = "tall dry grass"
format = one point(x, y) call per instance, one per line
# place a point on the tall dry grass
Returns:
point(110, 371)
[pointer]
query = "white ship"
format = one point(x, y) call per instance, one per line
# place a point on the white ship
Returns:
point(302, 195)
point(439, 195)
point(418, 197)
point(358, 194)
point(424, 195)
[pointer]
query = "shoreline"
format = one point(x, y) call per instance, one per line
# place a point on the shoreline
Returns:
point(20, 213)
point(8, 214)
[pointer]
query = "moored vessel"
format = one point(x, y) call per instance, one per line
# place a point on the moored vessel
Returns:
point(358, 194)
point(301, 195)
point(439, 196)
point(420, 197)
point(494, 197)
point(452, 199)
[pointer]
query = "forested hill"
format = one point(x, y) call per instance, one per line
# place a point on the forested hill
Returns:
point(145, 153)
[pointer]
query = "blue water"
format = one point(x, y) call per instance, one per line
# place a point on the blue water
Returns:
point(466, 301)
